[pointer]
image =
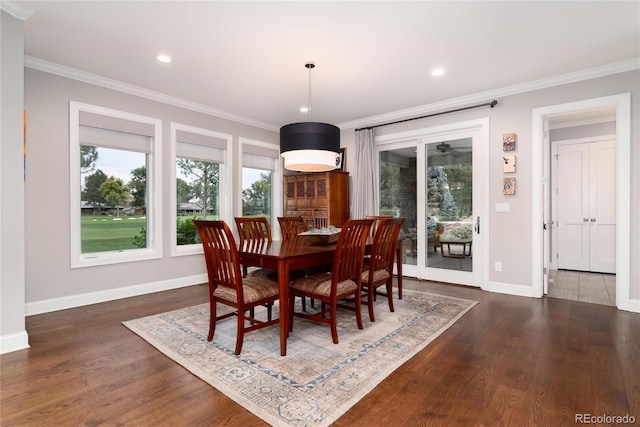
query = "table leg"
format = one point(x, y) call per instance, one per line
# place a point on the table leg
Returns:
point(283, 285)
point(399, 267)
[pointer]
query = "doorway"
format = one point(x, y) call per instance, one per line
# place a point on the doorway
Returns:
point(436, 178)
point(619, 105)
point(583, 204)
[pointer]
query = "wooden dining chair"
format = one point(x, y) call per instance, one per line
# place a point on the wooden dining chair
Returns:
point(342, 282)
point(227, 285)
point(377, 220)
point(255, 230)
point(379, 270)
point(291, 226)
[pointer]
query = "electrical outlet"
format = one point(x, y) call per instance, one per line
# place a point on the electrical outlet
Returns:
point(498, 266)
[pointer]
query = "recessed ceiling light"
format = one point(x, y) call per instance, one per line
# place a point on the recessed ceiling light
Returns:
point(437, 72)
point(304, 109)
point(164, 58)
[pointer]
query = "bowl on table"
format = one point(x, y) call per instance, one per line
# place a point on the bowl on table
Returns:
point(322, 236)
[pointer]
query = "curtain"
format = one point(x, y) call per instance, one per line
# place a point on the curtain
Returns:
point(365, 182)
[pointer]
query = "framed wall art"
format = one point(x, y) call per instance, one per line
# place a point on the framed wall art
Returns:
point(509, 186)
point(341, 160)
point(509, 142)
point(509, 164)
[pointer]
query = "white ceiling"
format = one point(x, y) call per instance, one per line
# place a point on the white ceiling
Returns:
point(372, 58)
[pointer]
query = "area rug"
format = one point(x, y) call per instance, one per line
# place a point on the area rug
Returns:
point(317, 381)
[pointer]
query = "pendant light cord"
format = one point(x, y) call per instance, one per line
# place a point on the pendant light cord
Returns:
point(309, 65)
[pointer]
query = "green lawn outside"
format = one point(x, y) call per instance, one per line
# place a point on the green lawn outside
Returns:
point(102, 233)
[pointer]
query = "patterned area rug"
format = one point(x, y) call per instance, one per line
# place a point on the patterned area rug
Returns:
point(317, 381)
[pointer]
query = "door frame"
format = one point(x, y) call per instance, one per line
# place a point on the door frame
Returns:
point(445, 132)
point(540, 175)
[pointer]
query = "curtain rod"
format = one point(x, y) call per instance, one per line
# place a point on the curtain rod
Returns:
point(487, 104)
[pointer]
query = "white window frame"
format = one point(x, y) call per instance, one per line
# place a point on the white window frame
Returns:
point(224, 194)
point(276, 182)
point(154, 192)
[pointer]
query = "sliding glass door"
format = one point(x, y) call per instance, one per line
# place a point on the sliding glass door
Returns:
point(436, 183)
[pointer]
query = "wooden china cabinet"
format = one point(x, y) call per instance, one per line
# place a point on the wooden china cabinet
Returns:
point(321, 198)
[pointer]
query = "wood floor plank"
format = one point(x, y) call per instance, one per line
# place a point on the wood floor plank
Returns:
point(509, 361)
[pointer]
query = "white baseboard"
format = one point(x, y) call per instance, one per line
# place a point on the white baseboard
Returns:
point(634, 306)
point(63, 303)
point(510, 289)
point(14, 342)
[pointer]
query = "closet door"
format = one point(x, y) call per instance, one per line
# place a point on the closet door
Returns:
point(586, 200)
point(573, 207)
point(602, 207)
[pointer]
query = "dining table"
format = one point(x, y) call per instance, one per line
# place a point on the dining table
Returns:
point(295, 254)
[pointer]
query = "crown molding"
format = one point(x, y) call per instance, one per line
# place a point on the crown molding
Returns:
point(17, 9)
point(83, 76)
point(72, 73)
point(591, 73)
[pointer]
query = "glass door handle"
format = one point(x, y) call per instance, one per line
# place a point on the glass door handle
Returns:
point(477, 225)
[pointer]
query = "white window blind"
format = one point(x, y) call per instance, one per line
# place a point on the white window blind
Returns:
point(259, 157)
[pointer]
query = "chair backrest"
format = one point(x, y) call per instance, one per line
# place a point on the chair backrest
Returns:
point(347, 262)
point(291, 226)
point(221, 255)
point(384, 245)
point(254, 229)
point(377, 220)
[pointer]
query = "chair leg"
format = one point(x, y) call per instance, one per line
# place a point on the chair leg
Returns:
point(304, 303)
point(212, 321)
point(292, 303)
point(358, 309)
point(333, 321)
point(370, 293)
point(240, 335)
point(390, 293)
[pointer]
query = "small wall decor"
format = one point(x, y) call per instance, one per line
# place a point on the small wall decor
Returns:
point(509, 186)
point(341, 160)
point(509, 164)
point(509, 142)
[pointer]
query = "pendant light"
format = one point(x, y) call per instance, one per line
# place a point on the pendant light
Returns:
point(309, 146)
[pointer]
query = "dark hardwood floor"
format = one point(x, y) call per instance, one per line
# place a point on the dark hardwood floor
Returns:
point(509, 361)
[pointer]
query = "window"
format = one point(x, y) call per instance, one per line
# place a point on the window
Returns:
point(260, 191)
point(200, 182)
point(115, 193)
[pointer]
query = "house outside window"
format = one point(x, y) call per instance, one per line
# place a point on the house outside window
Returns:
point(115, 195)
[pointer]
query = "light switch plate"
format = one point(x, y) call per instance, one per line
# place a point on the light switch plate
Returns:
point(502, 207)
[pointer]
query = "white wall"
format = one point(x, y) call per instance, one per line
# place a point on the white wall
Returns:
point(50, 282)
point(510, 233)
point(12, 247)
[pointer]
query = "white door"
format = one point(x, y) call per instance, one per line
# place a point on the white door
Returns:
point(602, 207)
point(450, 172)
point(586, 201)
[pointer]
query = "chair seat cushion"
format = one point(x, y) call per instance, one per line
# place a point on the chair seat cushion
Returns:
point(378, 275)
point(267, 274)
point(254, 289)
point(321, 284)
